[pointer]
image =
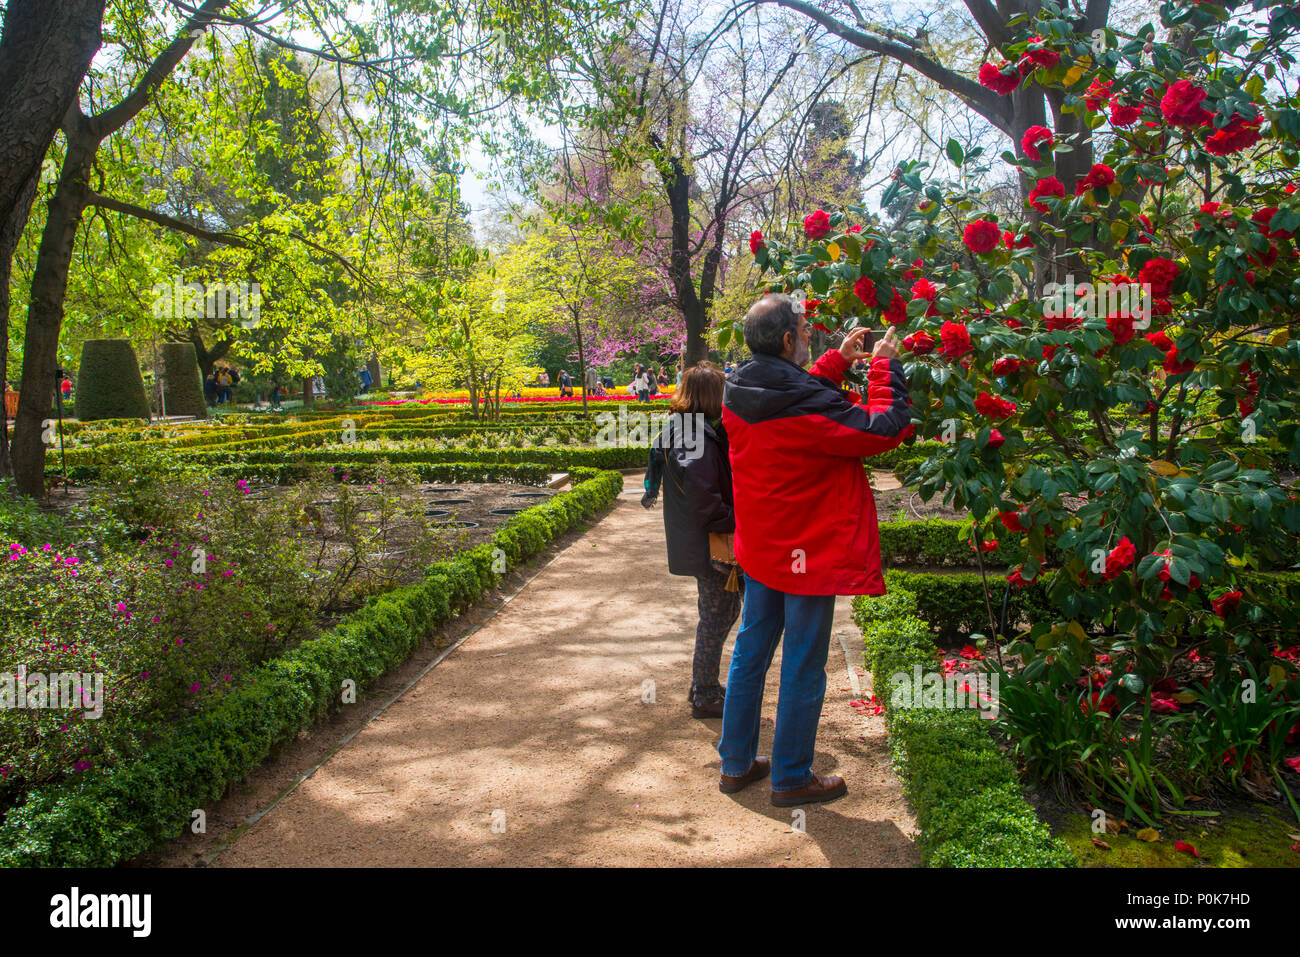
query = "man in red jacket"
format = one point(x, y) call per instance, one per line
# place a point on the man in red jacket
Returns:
point(805, 530)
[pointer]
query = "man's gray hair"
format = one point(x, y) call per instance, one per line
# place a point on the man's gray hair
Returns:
point(767, 322)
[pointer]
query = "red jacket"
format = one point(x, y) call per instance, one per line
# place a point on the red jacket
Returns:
point(805, 516)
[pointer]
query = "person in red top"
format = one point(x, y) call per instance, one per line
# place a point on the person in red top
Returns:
point(805, 530)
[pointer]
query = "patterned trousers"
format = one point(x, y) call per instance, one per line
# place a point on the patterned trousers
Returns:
point(719, 610)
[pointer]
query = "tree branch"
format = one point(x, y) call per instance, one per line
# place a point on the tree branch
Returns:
point(990, 21)
point(984, 102)
point(115, 117)
point(225, 239)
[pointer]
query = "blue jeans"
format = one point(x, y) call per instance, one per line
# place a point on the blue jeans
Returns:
point(806, 621)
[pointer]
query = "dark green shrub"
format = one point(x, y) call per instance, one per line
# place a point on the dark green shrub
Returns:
point(109, 385)
point(182, 380)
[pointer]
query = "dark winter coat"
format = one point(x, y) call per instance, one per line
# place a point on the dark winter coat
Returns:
point(696, 488)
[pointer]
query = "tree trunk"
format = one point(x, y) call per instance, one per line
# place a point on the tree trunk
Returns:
point(582, 359)
point(697, 347)
point(45, 49)
point(308, 393)
point(207, 357)
point(45, 311)
point(678, 188)
point(9, 237)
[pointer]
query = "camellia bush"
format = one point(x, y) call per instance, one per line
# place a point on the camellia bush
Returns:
point(1116, 372)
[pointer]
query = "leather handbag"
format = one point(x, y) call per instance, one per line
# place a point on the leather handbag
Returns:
point(722, 549)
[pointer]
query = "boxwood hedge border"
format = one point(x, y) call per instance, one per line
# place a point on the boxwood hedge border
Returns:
point(964, 791)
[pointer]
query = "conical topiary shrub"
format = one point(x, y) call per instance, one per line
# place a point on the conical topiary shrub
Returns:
point(182, 381)
point(109, 385)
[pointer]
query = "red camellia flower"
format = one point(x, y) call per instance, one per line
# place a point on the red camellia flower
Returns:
point(981, 236)
point(924, 289)
point(857, 228)
point(995, 442)
point(816, 225)
point(1264, 218)
point(1119, 558)
point(1121, 327)
point(919, 342)
point(1012, 323)
point(1067, 321)
point(1018, 579)
point(1267, 258)
point(1164, 703)
point(1226, 603)
point(755, 242)
point(1099, 177)
point(993, 406)
point(1220, 212)
point(1123, 115)
point(1160, 339)
point(1006, 365)
point(896, 312)
point(1106, 705)
point(810, 307)
point(956, 340)
point(865, 290)
point(1234, 137)
point(1009, 238)
point(1160, 273)
point(992, 77)
point(1181, 105)
point(1044, 57)
point(1174, 366)
point(1097, 94)
point(1048, 186)
point(1011, 521)
point(1032, 138)
point(911, 272)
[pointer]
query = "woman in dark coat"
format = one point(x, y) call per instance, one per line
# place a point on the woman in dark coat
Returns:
point(689, 459)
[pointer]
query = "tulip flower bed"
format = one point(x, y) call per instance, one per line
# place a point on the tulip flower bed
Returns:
point(1116, 373)
point(517, 400)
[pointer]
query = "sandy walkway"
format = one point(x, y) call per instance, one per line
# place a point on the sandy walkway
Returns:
point(531, 744)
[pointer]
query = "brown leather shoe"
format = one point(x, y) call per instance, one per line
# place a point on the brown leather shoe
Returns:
point(816, 791)
point(760, 769)
point(707, 702)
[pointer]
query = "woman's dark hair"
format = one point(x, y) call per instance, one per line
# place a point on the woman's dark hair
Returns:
point(700, 391)
point(767, 322)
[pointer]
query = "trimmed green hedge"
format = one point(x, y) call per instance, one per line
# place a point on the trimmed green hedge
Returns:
point(954, 603)
point(182, 380)
point(110, 817)
point(964, 791)
point(109, 384)
point(558, 457)
point(937, 541)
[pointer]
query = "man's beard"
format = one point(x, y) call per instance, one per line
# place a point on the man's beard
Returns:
point(802, 354)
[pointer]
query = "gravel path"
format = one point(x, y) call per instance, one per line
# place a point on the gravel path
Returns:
point(531, 744)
